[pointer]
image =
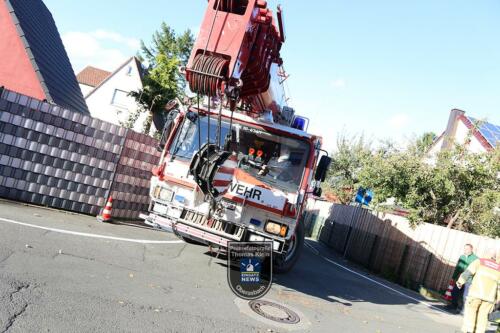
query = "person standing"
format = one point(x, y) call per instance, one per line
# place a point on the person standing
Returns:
point(484, 292)
point(463, 262)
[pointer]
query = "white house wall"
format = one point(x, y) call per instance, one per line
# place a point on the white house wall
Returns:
point(437, 146)
point(85, 89)
point(101, 103)
point(461, 135)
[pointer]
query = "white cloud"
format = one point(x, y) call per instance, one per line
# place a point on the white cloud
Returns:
point(399, 120)
point(132, 43)
point(338, 83)
point(100, 48)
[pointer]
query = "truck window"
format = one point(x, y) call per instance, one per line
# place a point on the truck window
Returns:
point(186, 142)
point(285, 157)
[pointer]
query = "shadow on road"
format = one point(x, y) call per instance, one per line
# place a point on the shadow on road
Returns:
point(316, 277)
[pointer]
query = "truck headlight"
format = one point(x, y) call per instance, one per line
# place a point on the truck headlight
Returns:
point(276, 228)
point(163, 193)
point(273, 228)
point(156, 192)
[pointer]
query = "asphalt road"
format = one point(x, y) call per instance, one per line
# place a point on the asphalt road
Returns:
point(132, 279)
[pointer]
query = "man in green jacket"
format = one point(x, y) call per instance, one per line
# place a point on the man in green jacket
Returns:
point(484, 292)
point(463, 262)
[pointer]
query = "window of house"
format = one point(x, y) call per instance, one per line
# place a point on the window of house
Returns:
point(120, 98)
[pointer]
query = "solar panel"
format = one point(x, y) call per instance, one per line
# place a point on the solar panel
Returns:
point(490, 127)
point(489, 131)
point(490, 137)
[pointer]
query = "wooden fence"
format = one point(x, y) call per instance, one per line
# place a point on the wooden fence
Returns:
point(387, 245)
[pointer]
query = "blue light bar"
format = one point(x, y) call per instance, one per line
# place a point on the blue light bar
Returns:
point(299, 123)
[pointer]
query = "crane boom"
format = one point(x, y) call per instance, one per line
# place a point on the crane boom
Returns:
point(237, 55)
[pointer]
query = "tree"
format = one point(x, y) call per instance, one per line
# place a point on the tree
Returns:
point(459, 189)
point(424, 142)
point(349, 158)
point(483, 216)
point(162, 80)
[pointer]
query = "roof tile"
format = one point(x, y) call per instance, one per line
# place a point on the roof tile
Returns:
point(92, 76)
point(43, 44)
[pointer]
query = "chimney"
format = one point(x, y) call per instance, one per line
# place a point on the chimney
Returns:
point(451, 128)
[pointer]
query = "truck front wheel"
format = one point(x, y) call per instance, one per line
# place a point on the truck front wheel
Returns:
point(284, 263)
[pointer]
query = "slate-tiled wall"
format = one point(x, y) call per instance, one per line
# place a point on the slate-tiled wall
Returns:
point(55, 157)
point(130, 190)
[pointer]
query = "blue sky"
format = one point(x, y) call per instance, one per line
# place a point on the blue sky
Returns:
point(387, 69)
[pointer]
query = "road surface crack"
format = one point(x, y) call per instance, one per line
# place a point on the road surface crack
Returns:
point(17, 290)
point(12, 319)
point(79, 257)
point(95, 260)
point(180, 252)
point(7, 257)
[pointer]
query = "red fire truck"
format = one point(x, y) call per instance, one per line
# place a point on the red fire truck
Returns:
point(237, 163)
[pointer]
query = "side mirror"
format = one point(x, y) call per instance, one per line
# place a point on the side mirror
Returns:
point(167, 129)
point(317, 191)
point(161, 117)
point(322, 168)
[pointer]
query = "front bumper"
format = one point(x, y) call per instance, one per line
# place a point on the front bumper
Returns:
point(197, 231)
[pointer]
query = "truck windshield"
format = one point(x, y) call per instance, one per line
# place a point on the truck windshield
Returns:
point(284, 157)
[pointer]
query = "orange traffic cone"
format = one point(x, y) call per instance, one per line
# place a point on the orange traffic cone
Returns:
point(106, 213)
point(447, 295)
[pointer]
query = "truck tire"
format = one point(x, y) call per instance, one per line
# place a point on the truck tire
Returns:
point(284, 263)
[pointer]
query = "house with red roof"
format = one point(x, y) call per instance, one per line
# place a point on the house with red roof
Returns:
point(477, 135)
point(107, 92)
point(34, 61)
point(90, 77)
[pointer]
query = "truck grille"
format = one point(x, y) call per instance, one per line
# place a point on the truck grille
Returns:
point(218, 226)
